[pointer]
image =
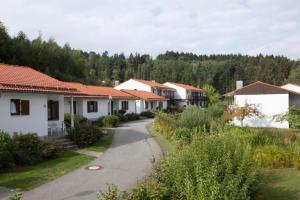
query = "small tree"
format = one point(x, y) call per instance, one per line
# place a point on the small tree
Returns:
point(212, 94)
point(292, 116)
point(241, 112)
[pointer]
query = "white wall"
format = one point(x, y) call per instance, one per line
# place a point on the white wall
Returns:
point(133, 85)
point(131, 106)
point(180, 92)
point(102, 109)
point(269, 105)
point(36, 121)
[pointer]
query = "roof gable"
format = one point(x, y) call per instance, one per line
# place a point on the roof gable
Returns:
point(258, 88)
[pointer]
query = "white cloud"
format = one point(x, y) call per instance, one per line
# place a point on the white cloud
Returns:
point(147, 26)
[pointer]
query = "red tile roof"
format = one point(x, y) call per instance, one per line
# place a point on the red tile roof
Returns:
point(144, 95)
point(99, 91)
point(154, 84)
point(26, 79)
point(187, 87)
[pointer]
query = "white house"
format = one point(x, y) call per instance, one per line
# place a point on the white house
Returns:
point(97, 101)
point(148, 86)
point(147, 100)
point(186, 95)
point(31, 101)
point(271, 100)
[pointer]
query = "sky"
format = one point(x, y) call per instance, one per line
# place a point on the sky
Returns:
point(155, 26)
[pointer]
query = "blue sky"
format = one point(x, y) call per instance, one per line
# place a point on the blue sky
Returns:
point(154, 26)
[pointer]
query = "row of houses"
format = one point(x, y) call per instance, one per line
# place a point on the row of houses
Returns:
point(31, 101)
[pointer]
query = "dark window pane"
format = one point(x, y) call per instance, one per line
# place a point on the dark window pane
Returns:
point(24, 107)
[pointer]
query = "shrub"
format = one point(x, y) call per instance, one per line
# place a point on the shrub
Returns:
point(6, 156)
point(111, 121)
point(50, 149)
point(211, 167)
point(194, 116)
point(77, 119)
point(87, 134)
point(165, 123)
point(132, 116)
point(147, 114)
point(27, 148)
point(274, 156)
point(184, 134)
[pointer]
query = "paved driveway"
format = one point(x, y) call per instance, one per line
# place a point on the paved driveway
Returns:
point(129, 159)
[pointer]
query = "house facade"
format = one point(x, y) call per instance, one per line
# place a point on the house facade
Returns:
point(31, 102)
point(98, 101)
point(271, 100)
point(148, 86)
point(186, 95)
point(146, 100)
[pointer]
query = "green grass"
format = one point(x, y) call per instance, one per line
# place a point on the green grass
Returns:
point(103, 144)
point(279, 184)
point(165, 144)
point(30, 176)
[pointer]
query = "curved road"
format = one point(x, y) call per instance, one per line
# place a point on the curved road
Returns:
point(128, 159)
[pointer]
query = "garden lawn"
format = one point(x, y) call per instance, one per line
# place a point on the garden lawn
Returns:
point(26, 178)
point(279, 184)
point(103, 144)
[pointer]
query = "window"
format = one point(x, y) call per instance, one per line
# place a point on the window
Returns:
point(53, 110)
point(19, 107)
point(146, 105)
point(160, 105)
point(152, 104)
point(124, 105)
point(92, 106)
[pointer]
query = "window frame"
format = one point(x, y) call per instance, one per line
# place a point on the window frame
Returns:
point(53, 110)
point(125, 105)
point(95, 106)
point(22, 107)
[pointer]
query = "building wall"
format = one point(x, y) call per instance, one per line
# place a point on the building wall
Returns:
point(131, 106)
point(269, 104)
point(180, 92)
point(133, 85)
point(36, 121)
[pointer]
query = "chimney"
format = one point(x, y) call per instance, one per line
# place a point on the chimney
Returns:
point(239, 84)
point(153, 81)
point(117, 82)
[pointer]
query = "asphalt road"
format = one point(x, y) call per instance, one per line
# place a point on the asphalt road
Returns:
point(129, 159)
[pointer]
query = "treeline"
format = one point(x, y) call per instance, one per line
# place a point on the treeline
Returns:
point(68, 64)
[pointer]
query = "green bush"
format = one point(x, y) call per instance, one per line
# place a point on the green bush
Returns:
point(147, 114)
point(194, 116)
point(77, 119)
point(86, 134)
point(184, 134)
point(132, 116)
point(27, 148)
point(6, 156)
point(50, 149)
point(212, 167)
point(111, 121)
